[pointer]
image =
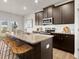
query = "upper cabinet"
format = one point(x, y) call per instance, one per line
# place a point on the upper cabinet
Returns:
point(48, 12)
point(38, 18)
point(67, 13)
point(53, 12)
point(56, 15)
point(63, 14)
point(45, 13)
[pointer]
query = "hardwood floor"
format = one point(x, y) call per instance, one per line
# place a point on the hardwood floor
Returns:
point(6, 53)
point(59, 54)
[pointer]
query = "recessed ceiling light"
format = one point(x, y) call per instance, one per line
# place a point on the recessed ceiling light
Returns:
point(5, 1)
point(25, 7)
point(36, 1)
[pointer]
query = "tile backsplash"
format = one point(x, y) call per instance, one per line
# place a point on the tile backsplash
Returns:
point(59, 28)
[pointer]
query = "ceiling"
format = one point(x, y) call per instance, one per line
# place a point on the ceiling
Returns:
point(17, 6)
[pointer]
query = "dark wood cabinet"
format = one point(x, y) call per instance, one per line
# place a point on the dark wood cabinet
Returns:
point(45, 13)
point(68, 43)
point(64, 42)
point(38, 18)
point(42, 50)
point(63, 14)
point(48, 12)
point(67, 13)
point(53, 12)
point(46, 49)
point(57, 15)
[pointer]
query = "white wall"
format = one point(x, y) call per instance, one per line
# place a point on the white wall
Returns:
point(77, 29)
point(5, 16)
point(28, 18)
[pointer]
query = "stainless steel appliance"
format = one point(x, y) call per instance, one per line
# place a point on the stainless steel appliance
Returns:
point(48, 21)
point(49, 30)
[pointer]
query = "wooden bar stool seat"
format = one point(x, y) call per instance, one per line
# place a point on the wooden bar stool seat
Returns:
point(10, 42)
point(21, 49)
point(16, 48)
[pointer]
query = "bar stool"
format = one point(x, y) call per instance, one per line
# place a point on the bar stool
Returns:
point(18, 49)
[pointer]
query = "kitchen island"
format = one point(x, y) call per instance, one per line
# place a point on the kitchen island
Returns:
point(39, 45)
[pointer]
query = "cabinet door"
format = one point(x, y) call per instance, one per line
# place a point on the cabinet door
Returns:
point(57, 41)
point(68, 43)
point(45, 12)
point(67, 13)
point(39, 18)
point(57, 15)
point(50, 12)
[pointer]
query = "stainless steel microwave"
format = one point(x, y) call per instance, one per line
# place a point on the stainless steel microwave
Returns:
point(47, 21)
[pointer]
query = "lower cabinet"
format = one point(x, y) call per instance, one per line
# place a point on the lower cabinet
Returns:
point(64, 42)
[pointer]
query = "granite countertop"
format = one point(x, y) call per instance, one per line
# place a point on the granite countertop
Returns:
point(56, 32)
point(32, 38)
point(63, 33)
